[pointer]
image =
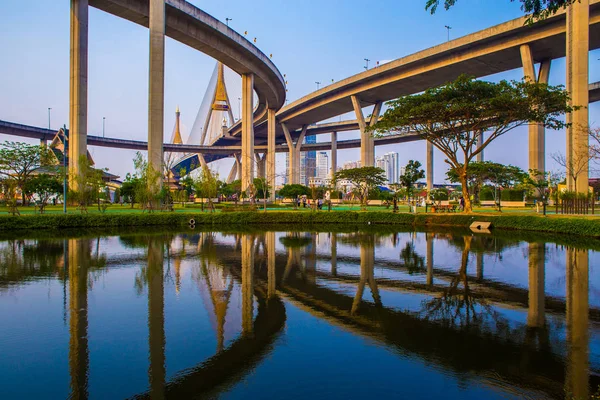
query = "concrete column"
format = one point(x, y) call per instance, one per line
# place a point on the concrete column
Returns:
point(156, 95)
point(271, 277)
point(78, 86)
point(156, 318)
point(247, 284)
point(537, 132)
point(294, 153)
point(79, 362)
point(367, 143)
point(536, 317)
point(261, 168)
point(333, 154)
point(577, 371)
point(233, 173)
point(238, 163)
point(429, 166)
point(271, 171)
point(247, 130)
point(479, 144)
point(578, 32)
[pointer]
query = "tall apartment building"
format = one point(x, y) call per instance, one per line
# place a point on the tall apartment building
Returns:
point(322, 165)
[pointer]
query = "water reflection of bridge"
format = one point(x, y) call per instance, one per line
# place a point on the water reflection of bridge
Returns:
point(456, 329)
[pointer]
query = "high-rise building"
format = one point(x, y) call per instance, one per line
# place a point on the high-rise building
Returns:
point(390, 163)
point(308, 163)
point(351, 164)
point(322, 165)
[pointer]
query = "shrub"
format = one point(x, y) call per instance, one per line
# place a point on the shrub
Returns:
point(512, 195)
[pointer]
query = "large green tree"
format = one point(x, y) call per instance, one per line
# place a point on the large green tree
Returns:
point(488, 172)
point(44, 186)
point(452, 116)
point(535, 9)
point(293, 191)
point(19, 160)
point(412, 174)
point(363, 179)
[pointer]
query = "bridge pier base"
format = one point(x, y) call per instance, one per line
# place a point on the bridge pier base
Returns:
point(333, 154)
point(537, 132)
point(247, 130)
point(156, 87)
point(367, 143)
point(78, 96)
point(261, 170)
point(294, 154)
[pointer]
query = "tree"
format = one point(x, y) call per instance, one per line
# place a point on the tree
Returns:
point(262, 188)
point(147, 191)
point(411, 175)
point(19, 160)
point(488, 172)
point(535, 9)
point(44, 186)
point(90, 185)
point(9, 190)
point(207, 185)
point(233, 188)
point(293, 191)
point(363, 179)
point(452, 116)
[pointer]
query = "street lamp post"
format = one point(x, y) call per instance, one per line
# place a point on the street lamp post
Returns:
point(448, 28)
point(103, 123)
point(227, 20)
point(318, 84)
point(49, 109)
point(367, 66)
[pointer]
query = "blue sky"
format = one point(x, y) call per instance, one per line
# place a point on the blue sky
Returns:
point(310, 41)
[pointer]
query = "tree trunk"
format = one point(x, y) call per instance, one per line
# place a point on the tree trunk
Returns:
point(465, 190)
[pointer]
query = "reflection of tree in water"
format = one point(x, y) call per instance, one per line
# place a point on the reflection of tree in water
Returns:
point(458, 307)
point(21, 259)
point(411, 259)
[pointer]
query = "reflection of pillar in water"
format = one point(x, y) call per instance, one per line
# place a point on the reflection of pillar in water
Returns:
point(429, 238)
point(577, 384)
point(78, 260)
point(367, 273)
point(537, 256)
point(310, 256)
point(156, 319)
point(333, 254)
point(479, 259)
point(247, 283)
point(271, 286)
point(177, 274)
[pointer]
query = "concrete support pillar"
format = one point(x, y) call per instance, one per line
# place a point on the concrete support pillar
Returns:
point(536, 317)
point(367, 143)
point(479, 156)
point(261, 167)
point(578, 32)
point(247, 284)
point(333, 154)
point(156, 318)
point(247, 130)
point(271, 278)
point(577, 371)
point(78, 86)
point(537, 132)
point(429, 166)
point(271, 171)
point(294, 155)
point(238, 163)
point(156, 95)
point(429, 238)
point(79, 362)
point(234, 171)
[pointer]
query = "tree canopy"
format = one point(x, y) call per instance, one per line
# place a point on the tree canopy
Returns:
point(488, 172)
point(364, 179)
point(535, 9)
point(412, 174)
point(453, 116)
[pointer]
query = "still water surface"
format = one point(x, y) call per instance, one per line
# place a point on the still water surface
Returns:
point(299, 315)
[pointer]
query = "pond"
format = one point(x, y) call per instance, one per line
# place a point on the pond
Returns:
point(299, 314)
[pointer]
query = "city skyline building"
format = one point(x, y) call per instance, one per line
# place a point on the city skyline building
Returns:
point(322, 165)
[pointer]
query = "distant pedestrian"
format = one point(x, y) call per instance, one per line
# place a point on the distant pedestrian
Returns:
point(461, 203)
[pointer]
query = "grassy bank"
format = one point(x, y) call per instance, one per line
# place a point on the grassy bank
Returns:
point(580, 226)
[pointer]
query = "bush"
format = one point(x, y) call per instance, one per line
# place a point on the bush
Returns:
point(486, 194)
point(512, 195)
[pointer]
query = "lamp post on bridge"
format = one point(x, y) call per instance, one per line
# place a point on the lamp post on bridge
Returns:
point(103, 123)
point(49, 109)
point(318, 84)
point(448, 28)
point(367, 65)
